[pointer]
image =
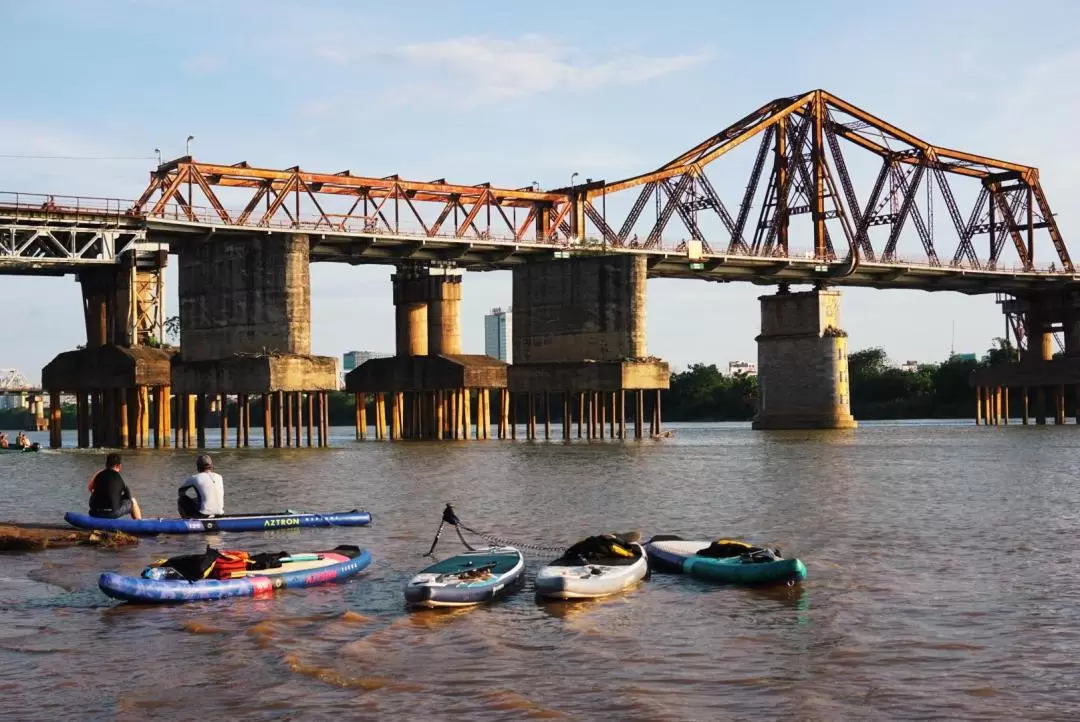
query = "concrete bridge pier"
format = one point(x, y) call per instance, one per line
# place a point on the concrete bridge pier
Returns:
point(245, 332)
point(121, 378)
point(1042, 380)
point(35, 412)
point(579, 347)
point(802, 362)
point(429, 389)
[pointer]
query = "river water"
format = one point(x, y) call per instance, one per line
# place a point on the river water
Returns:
point(942, 560)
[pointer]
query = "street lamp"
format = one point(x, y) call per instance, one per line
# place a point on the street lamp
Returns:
point(187, 146)
point(157, 151)
point(572, 177)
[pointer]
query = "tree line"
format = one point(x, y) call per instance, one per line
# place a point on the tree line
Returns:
point(879, 390)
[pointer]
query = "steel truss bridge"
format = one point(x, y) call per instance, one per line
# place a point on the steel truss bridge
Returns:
point(12, 381)
point(805, 189)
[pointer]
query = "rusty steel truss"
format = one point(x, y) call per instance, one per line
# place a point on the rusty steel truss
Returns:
point(802, 167)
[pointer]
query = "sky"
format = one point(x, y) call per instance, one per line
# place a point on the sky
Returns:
point(513, 93)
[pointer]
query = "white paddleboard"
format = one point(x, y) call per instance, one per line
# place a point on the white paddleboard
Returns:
point(566, 579)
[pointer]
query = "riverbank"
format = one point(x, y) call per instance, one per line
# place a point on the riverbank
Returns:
point(36, 537)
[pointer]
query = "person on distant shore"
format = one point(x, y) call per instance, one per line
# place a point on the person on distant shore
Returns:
point(109, 496)
point(4, 443)
point(209, 488)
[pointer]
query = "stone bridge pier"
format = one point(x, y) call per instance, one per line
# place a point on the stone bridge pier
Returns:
point(579, 340)
point(121, 378)
point(802, 362)
point(429, 389)
point(245, 341)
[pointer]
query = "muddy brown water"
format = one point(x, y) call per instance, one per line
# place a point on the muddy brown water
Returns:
point(942, 558)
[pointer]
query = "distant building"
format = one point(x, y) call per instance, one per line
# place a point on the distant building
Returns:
point(741, 367)
point(963, 357)
point(352, 359)
point(910, 366)
point(12, 401)
point(498, 333)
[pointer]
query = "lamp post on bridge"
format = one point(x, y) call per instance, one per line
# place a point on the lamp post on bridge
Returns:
point(187, 145)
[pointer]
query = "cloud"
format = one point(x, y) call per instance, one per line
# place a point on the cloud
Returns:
point(470, 71)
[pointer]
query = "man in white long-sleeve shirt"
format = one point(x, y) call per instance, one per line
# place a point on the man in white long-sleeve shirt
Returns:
point(210, 488)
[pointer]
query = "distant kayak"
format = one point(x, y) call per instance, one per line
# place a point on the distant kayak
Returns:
point(594, 567)
point(256, 577)
point(240, 522)
point(733, 565)
point(469, 578)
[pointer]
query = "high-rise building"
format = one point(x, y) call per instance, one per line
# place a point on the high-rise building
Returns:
point(352, 359)
point(498, 332)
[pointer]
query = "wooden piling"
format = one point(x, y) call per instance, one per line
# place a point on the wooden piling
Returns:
point(200, 421)
point(56, 421)
point(266, 420)
point(166, 415)
point(325, 417)
point(622, 414)
point(512, 414)
point(659, 416)
point(379, 411)
point(466, 407)
point(122, 417)
point(279, 418)
point(359, 402)
point(240, 418)
point(639, 412)
point(288, 415)
point(223, 419)
point(192, 416)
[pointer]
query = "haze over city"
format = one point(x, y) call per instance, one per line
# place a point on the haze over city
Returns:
point(424, 92)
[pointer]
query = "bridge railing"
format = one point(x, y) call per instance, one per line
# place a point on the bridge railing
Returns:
point(73, 208)
point(66, 208)
point(343, 223)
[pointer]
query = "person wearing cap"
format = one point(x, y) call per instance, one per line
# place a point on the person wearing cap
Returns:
point(209, 487)
point(109, 496)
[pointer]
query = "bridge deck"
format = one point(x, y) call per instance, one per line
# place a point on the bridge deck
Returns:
point(489, 255)
point(34, 245)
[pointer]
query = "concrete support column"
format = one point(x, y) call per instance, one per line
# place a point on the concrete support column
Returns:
point(411, 310)
point(444, 311)
point(802, 363)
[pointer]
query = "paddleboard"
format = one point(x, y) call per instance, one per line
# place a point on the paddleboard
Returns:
point(238, 522)
point(593, 577)
point(296, 572)
point(681, 556)
point(465, 579)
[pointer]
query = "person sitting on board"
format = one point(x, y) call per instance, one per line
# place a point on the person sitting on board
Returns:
point(21, 441)
point(3, 440)
point(109, 496)
point(209, 489)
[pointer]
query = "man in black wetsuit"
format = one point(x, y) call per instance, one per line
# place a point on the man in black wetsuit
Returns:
point(109, 495)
